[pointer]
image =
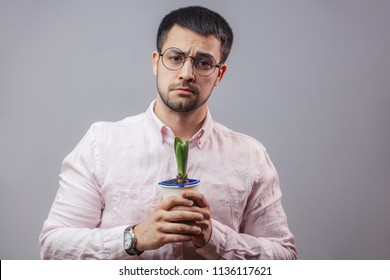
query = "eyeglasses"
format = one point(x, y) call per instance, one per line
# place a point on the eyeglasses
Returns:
point(204, 64)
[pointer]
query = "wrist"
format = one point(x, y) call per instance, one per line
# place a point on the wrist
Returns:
point(137, 234)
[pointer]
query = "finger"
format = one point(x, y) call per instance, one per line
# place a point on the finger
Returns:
point(181, 228)
point(176, 216)
point(186, 208)
point(171, 238)
point(190, 223)
point(175, 200)
point(203, 225)
point(205, 211)
point(195, 196)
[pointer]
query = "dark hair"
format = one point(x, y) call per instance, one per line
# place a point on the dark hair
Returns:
point(200, 20)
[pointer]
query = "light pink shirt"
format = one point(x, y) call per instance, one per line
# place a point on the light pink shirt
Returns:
point(109, 181)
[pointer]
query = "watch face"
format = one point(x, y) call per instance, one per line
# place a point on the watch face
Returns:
point(128, 240)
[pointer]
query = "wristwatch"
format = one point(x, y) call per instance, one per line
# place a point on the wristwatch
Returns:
point(129, 242)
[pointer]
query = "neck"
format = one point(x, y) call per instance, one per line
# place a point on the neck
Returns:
point(183, 124)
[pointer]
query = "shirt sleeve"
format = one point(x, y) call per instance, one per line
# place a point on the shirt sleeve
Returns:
point(72, 230)
point(264, 232)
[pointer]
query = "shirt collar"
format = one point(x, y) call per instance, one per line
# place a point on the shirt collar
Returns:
point(166, 134)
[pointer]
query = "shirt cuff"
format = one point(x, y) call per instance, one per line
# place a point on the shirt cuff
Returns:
point(113, 242)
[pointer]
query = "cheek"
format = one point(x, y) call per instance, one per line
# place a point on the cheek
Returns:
point(206, 89)
point(163, 80)
point(211, 84)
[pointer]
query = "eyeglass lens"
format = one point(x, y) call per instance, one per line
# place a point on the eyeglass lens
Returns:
point(174, 59)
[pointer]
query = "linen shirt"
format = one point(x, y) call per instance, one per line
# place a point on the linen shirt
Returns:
point(109, 182)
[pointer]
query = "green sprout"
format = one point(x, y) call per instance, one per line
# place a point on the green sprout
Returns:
point(181, 152)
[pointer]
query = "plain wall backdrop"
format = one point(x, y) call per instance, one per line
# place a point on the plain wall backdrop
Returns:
point(309, 79)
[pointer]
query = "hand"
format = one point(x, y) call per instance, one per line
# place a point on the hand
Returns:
point(200, 206)
point(166, 225)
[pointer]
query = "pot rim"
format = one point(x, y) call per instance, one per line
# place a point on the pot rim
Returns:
point(192, 182)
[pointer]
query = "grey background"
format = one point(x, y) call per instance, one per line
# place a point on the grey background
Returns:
point(309, 79)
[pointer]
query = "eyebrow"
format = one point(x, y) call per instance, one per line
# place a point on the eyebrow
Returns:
point(201, 54)
point(177, 50)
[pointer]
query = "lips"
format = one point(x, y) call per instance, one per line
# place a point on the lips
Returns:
point(185, 89)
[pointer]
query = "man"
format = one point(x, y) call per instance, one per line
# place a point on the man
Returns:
point(109, 206)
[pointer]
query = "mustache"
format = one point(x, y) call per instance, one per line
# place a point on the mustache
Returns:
point(184, 84)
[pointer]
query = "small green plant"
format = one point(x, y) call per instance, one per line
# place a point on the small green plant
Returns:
point(181, 152)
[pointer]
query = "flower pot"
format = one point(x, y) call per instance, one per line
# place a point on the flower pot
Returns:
point(169, 188)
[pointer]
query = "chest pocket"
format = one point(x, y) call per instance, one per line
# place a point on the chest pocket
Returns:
point(129, 205)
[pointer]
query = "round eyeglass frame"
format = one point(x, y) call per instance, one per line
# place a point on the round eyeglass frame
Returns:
point(161, 54)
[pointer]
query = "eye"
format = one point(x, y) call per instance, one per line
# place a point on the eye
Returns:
point(176, 58)
point(204, 63)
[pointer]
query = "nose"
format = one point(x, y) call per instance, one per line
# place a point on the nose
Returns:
point(187, 71)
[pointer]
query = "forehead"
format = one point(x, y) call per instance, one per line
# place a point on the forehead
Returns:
point(191, 42)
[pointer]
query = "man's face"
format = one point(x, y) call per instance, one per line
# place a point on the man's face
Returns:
point(184, 90)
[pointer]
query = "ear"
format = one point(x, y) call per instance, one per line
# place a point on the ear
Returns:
point(221, 72)
point(155, 58)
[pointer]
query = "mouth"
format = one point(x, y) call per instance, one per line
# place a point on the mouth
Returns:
point(184, 91)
